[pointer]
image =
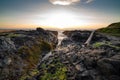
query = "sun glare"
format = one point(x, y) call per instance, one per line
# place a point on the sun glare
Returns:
point(61, 20)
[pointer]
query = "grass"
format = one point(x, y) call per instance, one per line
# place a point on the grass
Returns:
point(55, 71)
point(45, 46)
point(99, 44)
point(111, 31)
point(31, 55)
point(10, 35)
point(30, 75)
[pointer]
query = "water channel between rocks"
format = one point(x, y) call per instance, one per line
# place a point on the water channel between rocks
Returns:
point(61, 36)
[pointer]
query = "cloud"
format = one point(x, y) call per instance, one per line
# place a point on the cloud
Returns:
point(63, 2)
point(89, 1)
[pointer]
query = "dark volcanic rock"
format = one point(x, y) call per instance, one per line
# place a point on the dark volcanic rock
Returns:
point(99, 38)
point(54, 32)
point(20, 52)
point(78, 36)
point(40, 30)
point(109, 66)
point(23, 56)
point(66, 42)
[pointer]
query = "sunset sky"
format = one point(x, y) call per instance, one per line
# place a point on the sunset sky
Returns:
point(58, 14)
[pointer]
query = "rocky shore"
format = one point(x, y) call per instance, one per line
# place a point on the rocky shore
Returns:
point(21, 51)
point(23, 56)
point(71, 61)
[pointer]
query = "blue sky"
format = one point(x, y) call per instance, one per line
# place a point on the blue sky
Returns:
point(31, 13)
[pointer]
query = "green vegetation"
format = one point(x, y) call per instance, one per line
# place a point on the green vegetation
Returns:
point(14, 35)
point(112, 29)
point(30, 74)
point(33, 72)
point(32, 54)
point(24, 77)
point(114, 25)
point(99, 44)
point(55, 71)
point(45, 46)
point(3, 34)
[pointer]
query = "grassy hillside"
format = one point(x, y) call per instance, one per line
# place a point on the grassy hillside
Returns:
point(112, 29)
point(114, 25)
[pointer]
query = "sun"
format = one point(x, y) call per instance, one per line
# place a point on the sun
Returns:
point(61, 20)
point(57, 20)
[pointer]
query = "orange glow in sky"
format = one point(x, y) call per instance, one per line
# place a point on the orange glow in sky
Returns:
point(58, 14)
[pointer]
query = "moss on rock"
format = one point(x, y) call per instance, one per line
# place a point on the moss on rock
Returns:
point(32, 54)
point(54, 71)
point(100, 44)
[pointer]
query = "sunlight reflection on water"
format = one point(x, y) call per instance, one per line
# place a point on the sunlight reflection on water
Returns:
point(61, 36)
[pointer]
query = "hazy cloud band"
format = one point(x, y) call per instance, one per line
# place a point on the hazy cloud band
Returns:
point(68, 2)
point(63, 2)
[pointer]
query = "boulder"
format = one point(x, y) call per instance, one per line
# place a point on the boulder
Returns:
point(109, 66)
point(79, 37)
point(6, 44)
point(40, 29)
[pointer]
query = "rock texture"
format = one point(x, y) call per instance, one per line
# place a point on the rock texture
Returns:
point(21, 51)
point(23, 56)
point(95, 62)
